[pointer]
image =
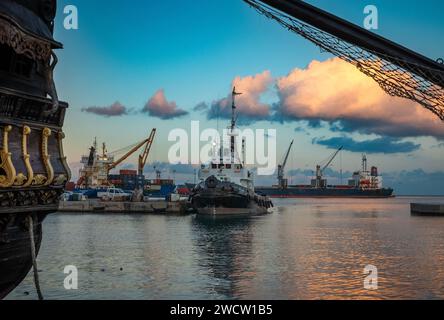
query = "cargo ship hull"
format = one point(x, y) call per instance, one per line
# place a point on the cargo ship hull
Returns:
point(299, 192)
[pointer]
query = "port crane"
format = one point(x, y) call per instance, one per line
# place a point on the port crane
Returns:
point(146, 151)
point(148, 142)
point(398, 70)
point(282, 182)
point(320, 183)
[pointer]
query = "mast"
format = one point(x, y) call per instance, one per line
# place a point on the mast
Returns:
point(364, 162)
point(233, 122)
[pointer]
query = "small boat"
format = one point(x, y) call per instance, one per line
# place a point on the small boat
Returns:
point(226, 187)
point(427, 209)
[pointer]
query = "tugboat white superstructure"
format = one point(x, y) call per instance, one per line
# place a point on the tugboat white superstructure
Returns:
point(226, 187)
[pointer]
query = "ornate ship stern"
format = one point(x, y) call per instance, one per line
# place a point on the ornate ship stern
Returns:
point(33, 169)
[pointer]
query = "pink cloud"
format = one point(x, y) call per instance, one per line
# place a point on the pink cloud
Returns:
point(158, 106)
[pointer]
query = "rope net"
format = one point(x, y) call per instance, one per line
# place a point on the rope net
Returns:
point(391, 73)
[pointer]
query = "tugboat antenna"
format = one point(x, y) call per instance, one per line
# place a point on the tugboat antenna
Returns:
point(233, 122)
point(233, 108)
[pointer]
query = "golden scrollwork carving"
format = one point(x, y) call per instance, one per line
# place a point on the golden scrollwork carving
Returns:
point(63, 158)
point(8, 174)
point(22, 180)
point(39, 180)
point(46, 157)
point(60, 180)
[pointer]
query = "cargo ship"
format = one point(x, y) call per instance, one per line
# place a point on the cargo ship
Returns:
point(95, 176)
point(363, 184)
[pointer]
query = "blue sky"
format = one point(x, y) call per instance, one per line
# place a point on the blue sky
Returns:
point(127, 51)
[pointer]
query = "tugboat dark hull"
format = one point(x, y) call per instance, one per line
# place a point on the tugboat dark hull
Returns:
point(214, 197)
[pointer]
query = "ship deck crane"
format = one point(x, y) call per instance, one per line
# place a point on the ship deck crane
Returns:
point(398, 70)
point(142, 158)
point(320, 169)
point(283, 183)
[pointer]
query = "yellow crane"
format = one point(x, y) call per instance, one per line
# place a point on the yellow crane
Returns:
point(144, 156)
point(148, 142)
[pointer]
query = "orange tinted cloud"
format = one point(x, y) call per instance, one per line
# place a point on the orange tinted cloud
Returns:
point(335, 90)
point(248, 104)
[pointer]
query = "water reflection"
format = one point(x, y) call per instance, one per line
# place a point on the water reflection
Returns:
point(308, 249)
point(224, 246)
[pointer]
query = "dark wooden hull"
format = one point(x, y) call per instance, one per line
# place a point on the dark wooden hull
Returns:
point(15, 251)
point(33, 168)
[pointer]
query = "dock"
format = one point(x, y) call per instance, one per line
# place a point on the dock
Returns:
point(149, 207)
point(424, 209)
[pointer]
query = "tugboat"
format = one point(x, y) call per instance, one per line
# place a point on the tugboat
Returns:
point(226, 187)
point(33, 169)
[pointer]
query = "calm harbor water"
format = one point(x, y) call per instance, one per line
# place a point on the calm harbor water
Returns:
point(307, 249)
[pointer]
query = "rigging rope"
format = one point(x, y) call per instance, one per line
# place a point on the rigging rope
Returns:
point(34, 256)
point(395, 76)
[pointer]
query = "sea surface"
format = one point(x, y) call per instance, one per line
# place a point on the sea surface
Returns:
point(306, 249)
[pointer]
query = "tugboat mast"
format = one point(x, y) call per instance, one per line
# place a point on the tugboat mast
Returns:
point(233, 108)
point(233, 122)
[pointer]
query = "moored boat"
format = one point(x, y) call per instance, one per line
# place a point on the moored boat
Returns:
point(427, 209)
point(226, 187)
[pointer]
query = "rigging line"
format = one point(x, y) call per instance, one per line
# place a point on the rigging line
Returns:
point(278, 14)
point(412, 83)
point(34, 256)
